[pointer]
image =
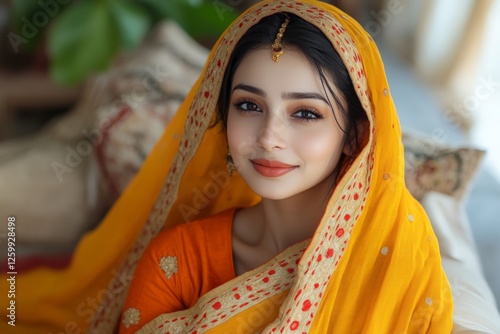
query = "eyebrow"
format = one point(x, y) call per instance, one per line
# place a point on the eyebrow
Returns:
point(302, 96)
point(250, 89)
point(284, 96)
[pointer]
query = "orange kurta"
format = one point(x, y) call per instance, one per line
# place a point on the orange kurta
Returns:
point(178, 267)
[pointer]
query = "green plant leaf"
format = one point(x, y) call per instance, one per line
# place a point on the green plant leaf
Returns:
point(31, 18)
point(83, 40)
point(194, 3)
point(199, 18)
point(160, 8)
point(24, 8)
point(209, 19)
point(133, 21)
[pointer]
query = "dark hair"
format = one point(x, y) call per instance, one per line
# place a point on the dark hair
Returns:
point(305, 37)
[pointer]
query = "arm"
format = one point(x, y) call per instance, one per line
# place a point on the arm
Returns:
point(155, 287)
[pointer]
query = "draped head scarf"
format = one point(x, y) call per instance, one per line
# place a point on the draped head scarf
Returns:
point(372, 266)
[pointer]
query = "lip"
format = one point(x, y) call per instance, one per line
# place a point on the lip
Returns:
point(271, 168)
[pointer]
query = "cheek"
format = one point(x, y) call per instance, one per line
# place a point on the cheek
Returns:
point(239, 135)
point(322, 147)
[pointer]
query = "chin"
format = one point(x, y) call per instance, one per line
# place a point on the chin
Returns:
point(275, 191)
point(269, 191)
point(273, 196)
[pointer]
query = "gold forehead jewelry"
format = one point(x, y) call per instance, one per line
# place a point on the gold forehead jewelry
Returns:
point(277, 48)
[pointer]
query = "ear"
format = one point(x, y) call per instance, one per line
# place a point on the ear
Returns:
point(353, 145)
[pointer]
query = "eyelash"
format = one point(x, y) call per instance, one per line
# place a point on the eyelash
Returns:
point(316, 114)
point(239, 102)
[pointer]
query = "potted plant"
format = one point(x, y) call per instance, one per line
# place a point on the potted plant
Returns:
point(83, 37)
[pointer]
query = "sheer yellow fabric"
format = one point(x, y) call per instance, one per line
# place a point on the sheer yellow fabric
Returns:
point(373, 265)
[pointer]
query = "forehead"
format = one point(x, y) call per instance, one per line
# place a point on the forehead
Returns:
point(293, 72)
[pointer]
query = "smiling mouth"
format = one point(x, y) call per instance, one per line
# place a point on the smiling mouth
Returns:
point(271, 168)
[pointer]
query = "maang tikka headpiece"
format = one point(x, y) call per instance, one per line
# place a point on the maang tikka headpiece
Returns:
point(277, 48)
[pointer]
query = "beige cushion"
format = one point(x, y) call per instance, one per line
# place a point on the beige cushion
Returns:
point(475, 308)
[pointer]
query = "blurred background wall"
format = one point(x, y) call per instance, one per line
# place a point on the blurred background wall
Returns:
point(453, 48)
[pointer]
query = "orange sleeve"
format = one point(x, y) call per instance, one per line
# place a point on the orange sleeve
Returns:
point(155, 286)
point(180, 265)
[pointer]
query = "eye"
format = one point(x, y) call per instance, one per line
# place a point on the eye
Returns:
point(246, 105)
point(307, 114)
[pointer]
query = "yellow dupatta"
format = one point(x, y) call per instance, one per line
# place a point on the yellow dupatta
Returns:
point(373, 265)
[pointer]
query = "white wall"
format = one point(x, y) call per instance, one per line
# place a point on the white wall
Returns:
point(427, 33)
point(486, 128)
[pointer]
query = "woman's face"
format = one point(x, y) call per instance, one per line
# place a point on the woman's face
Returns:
point(282, 133)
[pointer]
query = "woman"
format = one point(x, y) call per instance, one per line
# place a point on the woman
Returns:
point(362, 258)
point(316, 232)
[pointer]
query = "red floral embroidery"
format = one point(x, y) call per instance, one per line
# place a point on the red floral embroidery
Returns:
point(306, 305)
point(217, 306)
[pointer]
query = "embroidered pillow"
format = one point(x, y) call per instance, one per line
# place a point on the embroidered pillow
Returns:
point(144, 92)
point(433, 166)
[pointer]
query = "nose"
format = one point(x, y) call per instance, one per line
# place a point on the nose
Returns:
point(271, 135)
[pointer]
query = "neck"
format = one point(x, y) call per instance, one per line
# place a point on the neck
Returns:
point(294, 219)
